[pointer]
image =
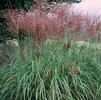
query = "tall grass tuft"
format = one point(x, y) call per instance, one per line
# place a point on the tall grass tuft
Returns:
point(56, 73)
point(44, 21)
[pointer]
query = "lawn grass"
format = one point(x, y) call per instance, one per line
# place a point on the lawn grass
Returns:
point(53, 72)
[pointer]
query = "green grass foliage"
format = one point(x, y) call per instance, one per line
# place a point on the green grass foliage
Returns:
point(51, 71)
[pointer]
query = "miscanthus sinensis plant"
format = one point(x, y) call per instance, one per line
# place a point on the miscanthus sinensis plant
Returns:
point(40, 23)
point(56, 70)
point(44, 21)
point(56, 73)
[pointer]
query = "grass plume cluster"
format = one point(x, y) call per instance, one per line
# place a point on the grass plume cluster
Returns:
point(44, 21)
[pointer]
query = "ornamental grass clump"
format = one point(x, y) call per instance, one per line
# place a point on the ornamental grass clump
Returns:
point(44, 21)
point(92, 26)
point(56, 74)
point(39, 24)
point(54, 70)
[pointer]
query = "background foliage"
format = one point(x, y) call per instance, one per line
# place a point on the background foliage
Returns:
point(4, 4)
